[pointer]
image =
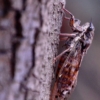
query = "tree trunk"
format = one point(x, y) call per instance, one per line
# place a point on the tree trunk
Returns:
point(29, 37)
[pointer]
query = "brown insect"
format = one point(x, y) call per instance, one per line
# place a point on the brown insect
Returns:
point(77, 44)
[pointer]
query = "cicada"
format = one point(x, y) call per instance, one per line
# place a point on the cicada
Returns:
point(77, 44)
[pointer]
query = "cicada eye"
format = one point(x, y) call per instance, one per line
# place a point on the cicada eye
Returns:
point(91, 27)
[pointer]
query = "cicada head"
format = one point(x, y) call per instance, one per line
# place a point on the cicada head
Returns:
point(91, 27)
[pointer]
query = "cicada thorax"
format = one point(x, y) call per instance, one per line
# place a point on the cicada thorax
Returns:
point(68, 77)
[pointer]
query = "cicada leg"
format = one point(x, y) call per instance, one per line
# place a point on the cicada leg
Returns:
point(58, 57)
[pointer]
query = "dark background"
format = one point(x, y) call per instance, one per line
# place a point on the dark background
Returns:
point(88, 84)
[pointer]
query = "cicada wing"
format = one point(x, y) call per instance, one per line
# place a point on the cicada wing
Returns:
point(68, 75)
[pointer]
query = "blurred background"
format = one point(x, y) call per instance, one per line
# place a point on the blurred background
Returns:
point(88, 84)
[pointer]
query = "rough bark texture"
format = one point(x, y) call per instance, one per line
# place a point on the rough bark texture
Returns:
point(28, 43)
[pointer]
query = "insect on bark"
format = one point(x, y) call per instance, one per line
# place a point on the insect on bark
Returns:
point(77, 44)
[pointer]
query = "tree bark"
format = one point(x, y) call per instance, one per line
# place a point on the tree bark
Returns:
point(29, 38)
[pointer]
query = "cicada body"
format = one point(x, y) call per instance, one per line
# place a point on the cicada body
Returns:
point(69, 64)
point(77, 44)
